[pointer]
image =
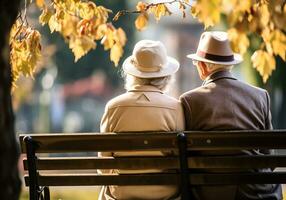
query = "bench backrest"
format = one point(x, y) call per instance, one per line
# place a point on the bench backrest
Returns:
point(37, 145)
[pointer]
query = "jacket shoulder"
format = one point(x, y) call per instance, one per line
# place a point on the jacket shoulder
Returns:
point(133, 99)
point(118, 100)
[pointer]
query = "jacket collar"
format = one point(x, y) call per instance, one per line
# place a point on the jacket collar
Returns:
point(219, 75)
point(144, 88)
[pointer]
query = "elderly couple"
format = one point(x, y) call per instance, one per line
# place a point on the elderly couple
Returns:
point(221, 103)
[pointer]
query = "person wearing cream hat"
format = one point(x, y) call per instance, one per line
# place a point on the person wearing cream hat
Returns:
point(225, 103)
point(147, 74)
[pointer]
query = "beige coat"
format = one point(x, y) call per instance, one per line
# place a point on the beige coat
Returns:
point(225, 103)
point(143, 108)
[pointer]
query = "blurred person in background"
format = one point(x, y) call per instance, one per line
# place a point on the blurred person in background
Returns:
point(144, 107)
point(225, 103)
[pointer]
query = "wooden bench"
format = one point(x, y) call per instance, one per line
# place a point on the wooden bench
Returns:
point(38, 163)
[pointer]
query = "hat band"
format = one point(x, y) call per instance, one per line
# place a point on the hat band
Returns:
point(214, 57)
point(145, 69)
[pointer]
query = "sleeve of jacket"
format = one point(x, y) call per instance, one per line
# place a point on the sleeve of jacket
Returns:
point(187, 112)
point(268, 123)
point(268, 117)
point(104, 128)
point(180, 118)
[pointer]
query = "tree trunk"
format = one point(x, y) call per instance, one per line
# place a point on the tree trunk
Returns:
point(10, 183)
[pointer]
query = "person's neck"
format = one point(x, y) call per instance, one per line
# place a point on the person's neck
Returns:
point(213, 72)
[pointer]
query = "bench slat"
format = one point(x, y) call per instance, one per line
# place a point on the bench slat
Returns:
point(66, 163)
point(239, 178)
point(84, 180)
point(132, 163)
point(197, 140)
point(64, 143)
point(159, 179)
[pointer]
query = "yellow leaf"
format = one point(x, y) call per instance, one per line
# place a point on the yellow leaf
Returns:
point(141, 21)
point(109, 38)
point(207, 11)
point(101, 15)
point(264, 63)
point(160, 10)
point(54, 24)
point(121, 36)
point(81, 46)
point(115, 53)
point(279, 44)
point(100, 31)
point(264, 15)
point(87, 10)
point(45, 16)
point(69, 25)
point(239, 41)
point(40, 3)
point(25, 54)
point(141, 6)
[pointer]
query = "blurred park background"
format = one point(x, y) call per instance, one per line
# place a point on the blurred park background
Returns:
point(70, 97)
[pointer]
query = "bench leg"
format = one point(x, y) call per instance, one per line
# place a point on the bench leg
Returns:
point(46, 193)
point(184, 170)
point(33, 176)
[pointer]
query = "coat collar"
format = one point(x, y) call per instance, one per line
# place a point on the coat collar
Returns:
point(219, 75)
point(144, 88)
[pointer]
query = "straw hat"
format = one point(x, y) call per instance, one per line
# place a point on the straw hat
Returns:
point(149, 60)
point(214, 48)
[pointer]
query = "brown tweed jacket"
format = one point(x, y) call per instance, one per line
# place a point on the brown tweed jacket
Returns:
point(225, 103)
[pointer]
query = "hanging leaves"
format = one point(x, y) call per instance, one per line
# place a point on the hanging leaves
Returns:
point(265, 18)
point(207, 11)
point(81, 24)
point(239, 41)
point(264, 63)
point(25, 51)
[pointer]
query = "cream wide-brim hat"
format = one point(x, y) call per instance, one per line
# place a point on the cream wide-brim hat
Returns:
point(214, 47)
point(149, 60)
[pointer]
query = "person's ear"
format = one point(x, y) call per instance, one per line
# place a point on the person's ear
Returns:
point(204, 69)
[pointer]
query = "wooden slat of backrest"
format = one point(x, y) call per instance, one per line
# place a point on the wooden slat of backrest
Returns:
point(88, 179)
point(160, 179)
point(131, 163)
point(237, 178)
point(237, 162)
point(197, 140)
point(236, 140)
point(58, 143)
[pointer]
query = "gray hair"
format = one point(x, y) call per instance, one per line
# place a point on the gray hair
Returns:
point(161, 83)
point(214, 67)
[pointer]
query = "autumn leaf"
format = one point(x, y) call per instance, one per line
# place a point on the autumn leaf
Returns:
point(45, 16)
point(264, 15)
point(279, 44)
point(121, 36)
point(69, 25)
point(264, 63)
point(25, 52)
point(160, 10)
point(116, 52)
point(141, 21)
point(141, 6)
point(54, 24)
point(86, 10)
point(207, 11)
point(239, 41)
point(80, 46)
point(40, 3)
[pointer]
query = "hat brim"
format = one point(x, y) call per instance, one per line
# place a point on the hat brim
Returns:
point(170, 68)
point(237, 59)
